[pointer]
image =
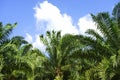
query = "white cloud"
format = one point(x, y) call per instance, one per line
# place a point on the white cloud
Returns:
point(38, 44)
point(50, 17)
point(85, 23)
point(28, 38)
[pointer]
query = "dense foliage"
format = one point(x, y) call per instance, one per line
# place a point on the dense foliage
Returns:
point(94, 56)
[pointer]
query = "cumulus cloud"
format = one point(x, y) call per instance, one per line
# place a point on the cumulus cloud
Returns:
point(38, 44)
point(49, 17)
point(85, 23)
point(28, 38)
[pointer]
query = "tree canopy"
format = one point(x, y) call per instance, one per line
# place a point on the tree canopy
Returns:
point(94, 56)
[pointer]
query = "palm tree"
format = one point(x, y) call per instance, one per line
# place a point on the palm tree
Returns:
point(60, 57)
point(5, 31)
point(4, 35)
point(105, 45)
point(4, 42)
point(27, 60)
point(18, 59)
point(11, 49)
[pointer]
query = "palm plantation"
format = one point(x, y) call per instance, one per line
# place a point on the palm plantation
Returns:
point(94, 56)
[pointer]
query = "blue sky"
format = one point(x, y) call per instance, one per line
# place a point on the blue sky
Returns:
point(34, 17)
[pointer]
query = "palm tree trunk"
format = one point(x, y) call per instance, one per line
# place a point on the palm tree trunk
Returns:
point(31, 77)
point(59, 75)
